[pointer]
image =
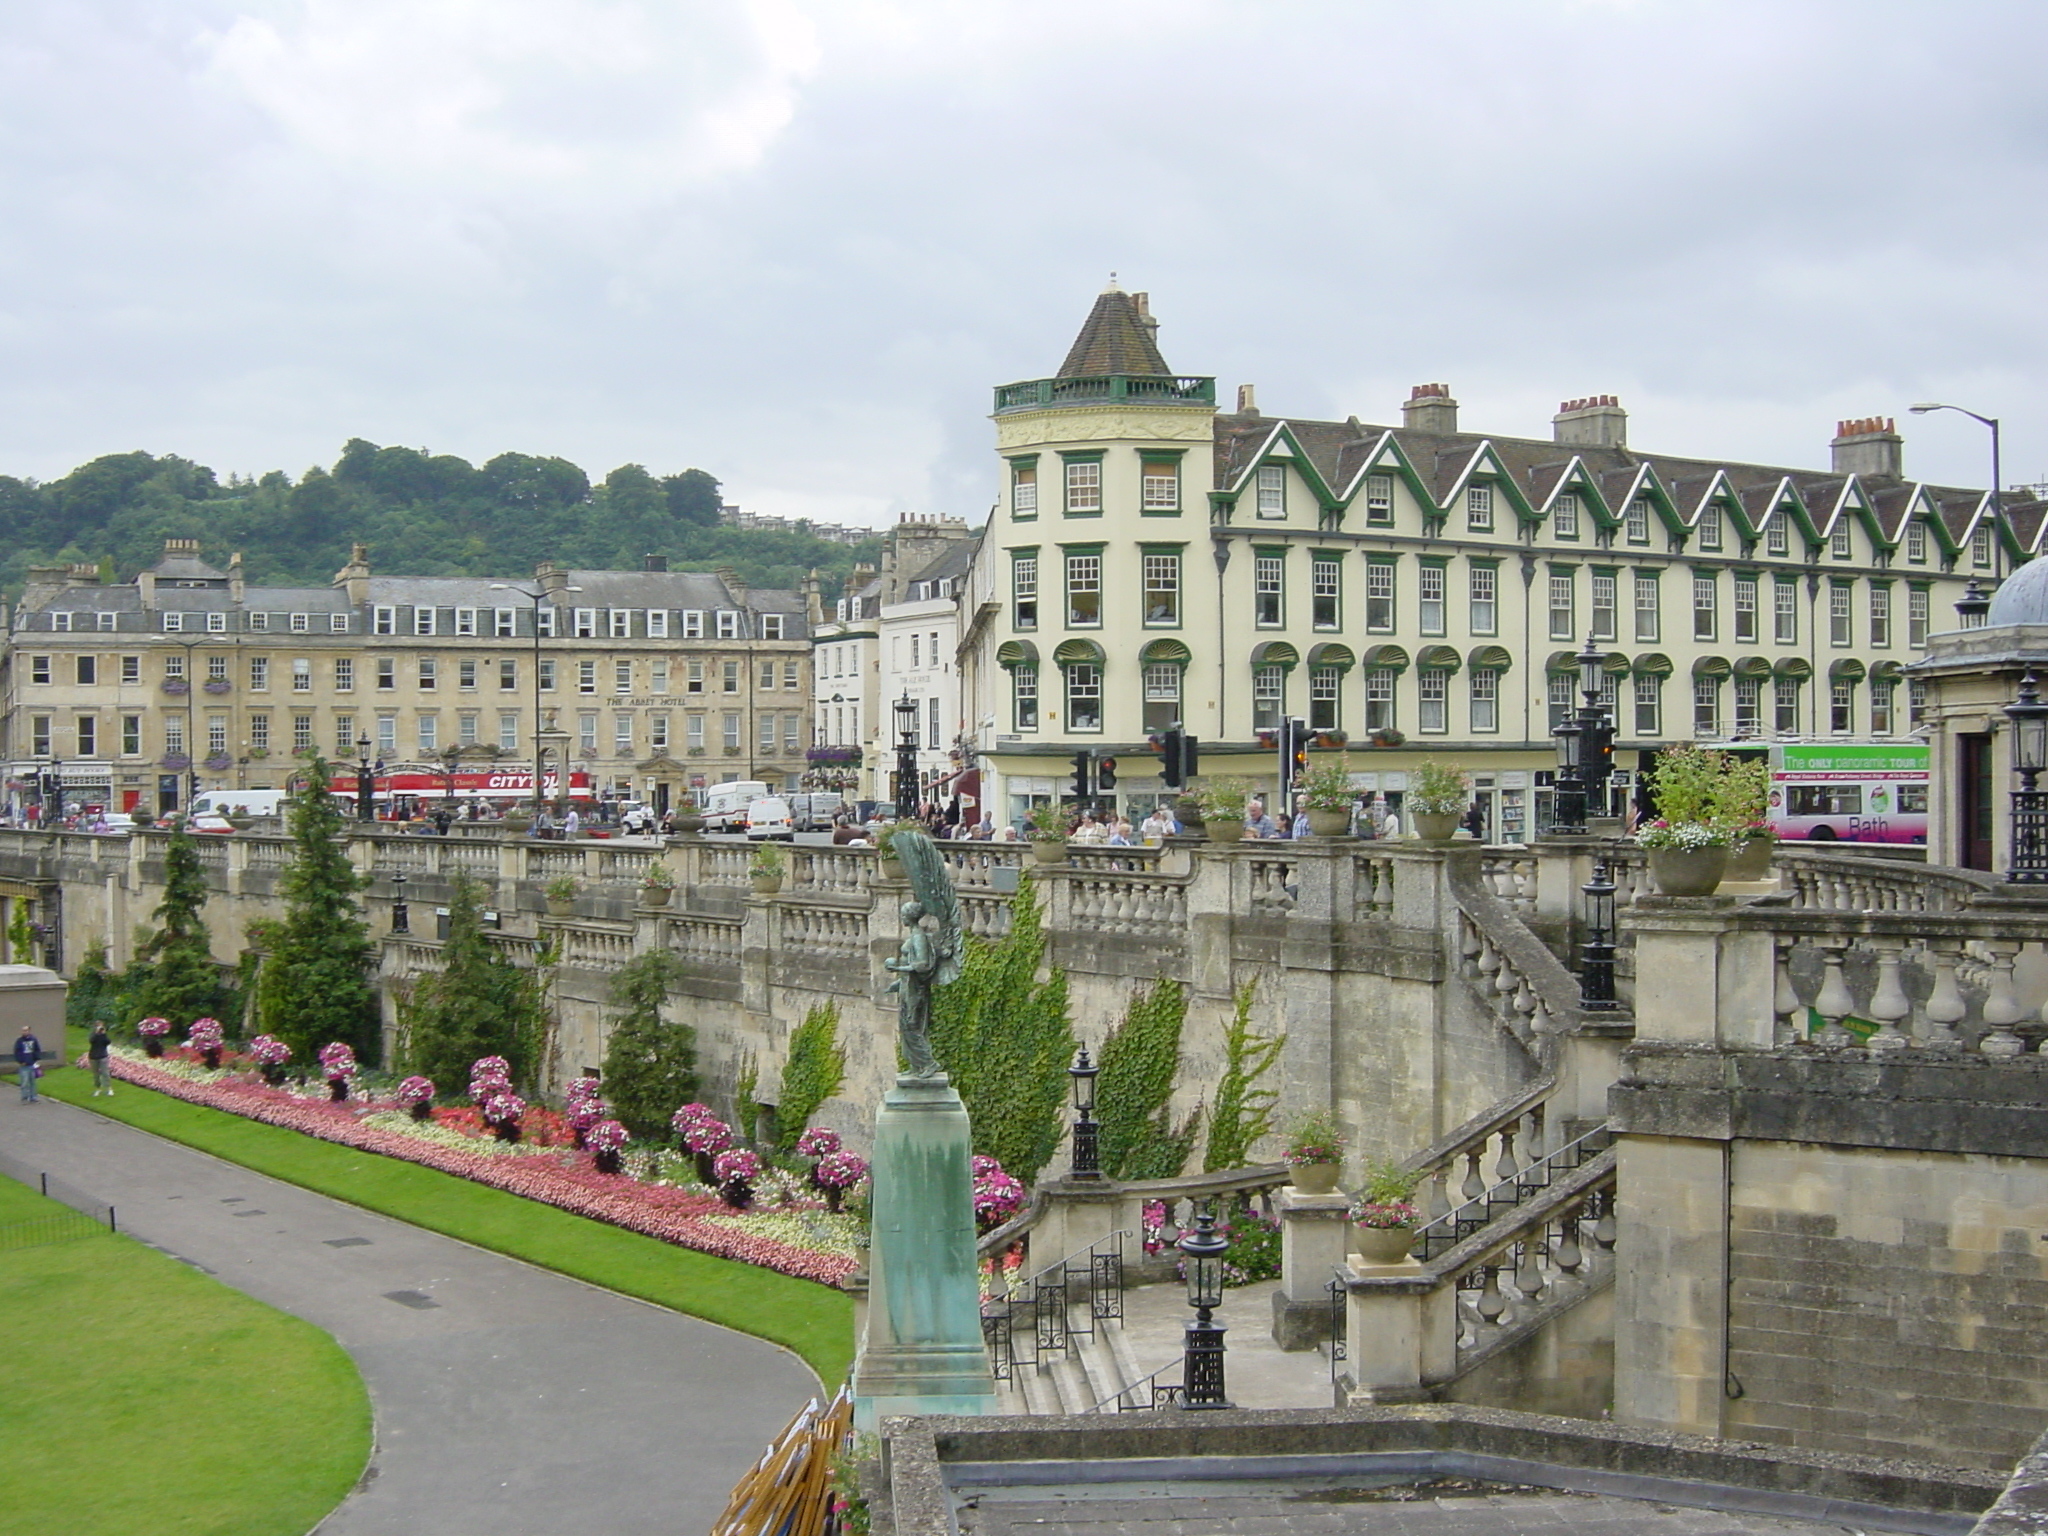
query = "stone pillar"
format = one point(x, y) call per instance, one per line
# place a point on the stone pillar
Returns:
point(1078, 1212)
point(1671, 1296)
point(1313, 1235)
point(923, 1352)
point(1400, 1332)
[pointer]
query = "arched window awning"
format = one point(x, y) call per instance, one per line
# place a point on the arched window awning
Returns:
point(1276, 653)
point(1561, 664)
point(1652, 664)
point(1165, 653)
point(1847, 670)
point(1439, 658)
point(1385, 658)
point(1016, 653)
point(1078, 652)
point(1617, 664)
point(1753, 666)
point(1332, 655)
point(1711, 666)
point(1490, 658)
point(1886, 672)
point(1797, 667)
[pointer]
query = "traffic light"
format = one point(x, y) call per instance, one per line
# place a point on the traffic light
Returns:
point(1169, 748)
point(1079, 786)
point(1105, 775)
point(1293, 752)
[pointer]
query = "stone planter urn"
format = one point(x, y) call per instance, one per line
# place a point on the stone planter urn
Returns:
point(559, 908)
point(1436, 826)
point(1050, 850)
point(764, 885)
point(892, 868)
point(1328, 823)
point(518, 823)
point(1224, 830)
point(689, 826)
point(1750, 859)
point(658, 895)
point(1687, 871)
point(1315, 1178)
point(1383, 1245)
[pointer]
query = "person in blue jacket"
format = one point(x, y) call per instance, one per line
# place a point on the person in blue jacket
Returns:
point(28, 1051)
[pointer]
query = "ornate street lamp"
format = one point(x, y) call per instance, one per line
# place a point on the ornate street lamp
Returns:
point(1973, 605)
point(906, 757)
point(1596, 971)
point(1087, 1140)
point(1568, 801)
point(2029, 716)
point(366, 787)
point(1202, 1347)
point(401, 914)
point(1596, 731)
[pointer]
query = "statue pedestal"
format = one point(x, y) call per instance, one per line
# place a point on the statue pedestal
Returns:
point(923, 1351)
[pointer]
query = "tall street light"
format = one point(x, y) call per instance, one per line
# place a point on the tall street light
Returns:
point(1997, 470)
point(906, 757)
point(536, 594)
point(366, 785)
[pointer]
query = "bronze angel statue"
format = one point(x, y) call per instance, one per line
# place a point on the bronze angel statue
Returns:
point(930, 956)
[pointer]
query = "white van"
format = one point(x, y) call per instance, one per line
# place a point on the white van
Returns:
point(725, 805)
point(239, 802)
point(769, 817)
point(814, 813)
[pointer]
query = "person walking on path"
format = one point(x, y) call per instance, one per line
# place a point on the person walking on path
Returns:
point(102, 1065)
point(28, 1053)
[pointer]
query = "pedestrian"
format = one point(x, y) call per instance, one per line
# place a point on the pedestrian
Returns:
point(1256, 822)
point(571, 823)
point(28, 1062)
point(102, 1063)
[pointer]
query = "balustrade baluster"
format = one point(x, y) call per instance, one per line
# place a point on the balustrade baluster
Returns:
point(1492, 1305)
point(1834, 1001)
point(1785, 999)
point(1474, 1187)
point(1567, 1256)
point(1944, 1008)
point(1439, 1196)
point(2001, 1007)
point(1888, 1002)
point(1529, 1279)
point(1506, 1168)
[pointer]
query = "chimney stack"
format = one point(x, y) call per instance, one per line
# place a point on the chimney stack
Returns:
point(1869, 446)
point(1430, 408)
point(1247, 400)
point(1598, 421)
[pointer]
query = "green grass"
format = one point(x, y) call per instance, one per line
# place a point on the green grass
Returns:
point(139, 1392)
point(810, 1319)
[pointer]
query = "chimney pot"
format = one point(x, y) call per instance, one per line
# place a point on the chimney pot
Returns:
point(1430, 408)
point(1591, 421)
point(1869, 446)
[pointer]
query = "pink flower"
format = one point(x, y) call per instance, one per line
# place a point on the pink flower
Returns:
point(504, 1108)
point(338, 1060)
point(205, 1035)
point(608, 1136)
point(414, 1090)
point(707, 1136)
point(154, 1026)
point(270, 1051)
point(817, 1142)
point(841, 1170)
point(580, 1090)
point(739, 1165)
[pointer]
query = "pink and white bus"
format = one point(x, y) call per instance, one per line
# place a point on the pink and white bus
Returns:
point(1849, 791)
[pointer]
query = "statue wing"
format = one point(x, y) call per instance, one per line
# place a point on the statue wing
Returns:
point(925, 867)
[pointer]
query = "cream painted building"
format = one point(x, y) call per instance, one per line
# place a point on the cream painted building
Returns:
point(653, 682)
point(1417, 590)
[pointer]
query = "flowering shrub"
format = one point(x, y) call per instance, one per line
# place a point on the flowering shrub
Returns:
point(997, 1196)
point(817, 1142)
point(504, 1107)
point(153, 1027)
point(689, 1115)
point(586, 1112)
point(581, 1090)
point(982, 1165)
point(337, 1060)
point(707, 1137)
point(841, 1170)
point(737, 1166)
point(1152, 1225)
point(415, 1090)
point(488, 1076)
point(1384, 1213)
point(1686, 835)
point(269, 1051)
point(1254, 1251)
point(671, 1215)
point(609, 1136)
point(206, 1035)
point(999, 1277)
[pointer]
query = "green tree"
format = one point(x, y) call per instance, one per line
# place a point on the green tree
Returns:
point(812, 1074)
point(180, 980)
point(1243, 1111)
point(650, 1064)
point(315, 986)
point(95, 994)
point(478, 1004)
point(1005, 1040)
point(1133, 1096)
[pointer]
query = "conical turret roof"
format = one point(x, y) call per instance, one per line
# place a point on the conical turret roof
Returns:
point(1117, 338)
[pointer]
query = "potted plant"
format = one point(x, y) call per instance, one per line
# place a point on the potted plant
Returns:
point(1329, 798)
point(153, 1029)
point(607, 1139)
point(270, 1054)
point(1387, 736)
point(766, 868)
point(1745, 791)
point(208, 1039)
point(1315, 1153)
point(656, 886)
point(1223, 802)
point(561, 894)
point(885, 840)
point(1045, 828)
point(1436, 798)
point(1688, 842)
point(416, 1096)
point(687, 822)
point(1384, 1216)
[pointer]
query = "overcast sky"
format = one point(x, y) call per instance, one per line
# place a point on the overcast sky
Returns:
point(796, 244)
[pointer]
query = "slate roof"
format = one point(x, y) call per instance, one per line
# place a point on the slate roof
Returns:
point(1116, 338)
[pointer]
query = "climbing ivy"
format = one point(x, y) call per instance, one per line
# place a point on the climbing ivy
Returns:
point(1244, 1111)
point(1133, 1096)
point(812, 1074)
point(1005, 1040)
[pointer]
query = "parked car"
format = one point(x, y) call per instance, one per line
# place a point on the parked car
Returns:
point(769, 817)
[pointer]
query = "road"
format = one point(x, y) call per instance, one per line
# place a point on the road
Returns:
point(506, 1398)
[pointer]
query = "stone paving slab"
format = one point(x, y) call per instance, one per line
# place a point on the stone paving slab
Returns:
point(506, 1397)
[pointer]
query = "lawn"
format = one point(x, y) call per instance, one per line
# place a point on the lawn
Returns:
point(137, 1388)
point(810, 1319)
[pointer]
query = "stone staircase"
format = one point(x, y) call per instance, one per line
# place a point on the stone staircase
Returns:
point(1056, 1340)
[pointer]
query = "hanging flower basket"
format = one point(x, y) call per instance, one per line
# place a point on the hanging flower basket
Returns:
point(259, 753)
point(218, 762)
point(176, 760)
point(217, 685)
point(1387, 736)
point(176, 685)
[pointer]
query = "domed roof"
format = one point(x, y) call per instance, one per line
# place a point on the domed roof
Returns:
point(2023, 599)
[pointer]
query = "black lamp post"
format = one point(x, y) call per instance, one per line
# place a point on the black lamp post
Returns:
point(401, 914)
point(2029, 716)
point(1973, 605)
point(1568, 813)
point(1596, 972)
point(1087, 1133)
point(906, 757)
point(366, 787)
point(1596, 731)
point(1202, 1348)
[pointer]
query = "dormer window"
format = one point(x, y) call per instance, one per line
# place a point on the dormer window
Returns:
point(1916, 542)
point(1272, 491)
point(1980, 545)
point(1564, 517)
point(465, 621)
point(1379, 500)
point(1776, 540)
point(1840, 546)
point(586, 623)
point(174, 623)
point(423, 620)
point(1479, 508)
point(1711, 523)
point(771, 626)
point(1636, 521)
point(728, 624)
point(216, 623)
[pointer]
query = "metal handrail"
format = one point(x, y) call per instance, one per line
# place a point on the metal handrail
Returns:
point(1171, 1393)
point(1455, 1225)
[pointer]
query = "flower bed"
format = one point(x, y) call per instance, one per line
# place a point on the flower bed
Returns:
point(552, 1175)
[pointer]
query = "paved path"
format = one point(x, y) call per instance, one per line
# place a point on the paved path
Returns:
point(507, 1398)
